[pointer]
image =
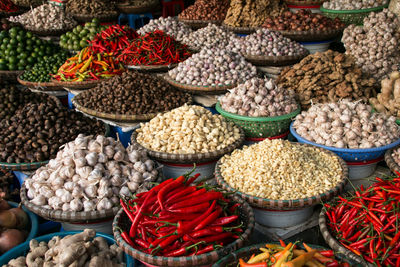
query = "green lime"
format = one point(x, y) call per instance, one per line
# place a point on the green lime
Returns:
point(6, 40)
point(79, 28)
point(83, 43)
point(29, 35)
point(12, 53)
point(30, 60)
point(12, 66)
point(76, 47)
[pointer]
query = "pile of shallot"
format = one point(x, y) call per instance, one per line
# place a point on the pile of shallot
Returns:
point(213, 67)
point(346, 125)
point(259, 98)
point(90, 174)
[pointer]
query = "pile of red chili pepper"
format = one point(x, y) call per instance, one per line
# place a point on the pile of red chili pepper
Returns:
point(177, 218)
point(155, 48)
point(88, 66)
point(368, 222)
point(113, 40)
point(7, 6)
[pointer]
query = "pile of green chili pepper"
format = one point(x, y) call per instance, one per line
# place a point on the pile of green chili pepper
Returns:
point(177, 218)
point(154, 48)
point(368, 222)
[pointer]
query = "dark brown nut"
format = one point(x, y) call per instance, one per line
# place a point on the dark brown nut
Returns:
point(206, 10)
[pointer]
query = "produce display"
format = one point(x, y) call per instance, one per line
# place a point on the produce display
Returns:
point(44, 18)
point(266, 43)
point(8, 6)
point(154, 48)
point(90, 8)
point(44, 68)
point(252, 13)
point(352, 5)
point(140, 3)
point(36, 131)
point(89, 66)
point(89, 174)
point(366, 223)
point(78, 38)
point(302, 21)
point(387, 101)
point(279, 169)
point(13, 99)
point(182, 219)
point(396, 155)
point(327, 77)
point(81, 249)
point(346, 125)
point(259, 98)
point(214, 10)
point(132, 93)
point(213, 67)
point(170, 26)
point(112, 40)
point(14, 223)
point(375, 45)
point(187, 129)
point(6, 186)
point(27, 3)
point(209, 36)
point(19, 49)
point(290, 255)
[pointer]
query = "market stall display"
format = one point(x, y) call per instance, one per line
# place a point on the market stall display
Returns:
point(392, 159)
point(68, 248)
point(35, 132)
point(86, 10)
point(386, 100)
point(374, 45)
point(364, 226)
point(27, 3)
point(203, 12)
point(302, 3)
point(305, 26)
point(45, 20)
point(188, 224)
point(135, 97)
point(78, 37)
point(137, 6)
point(8, 8)
point(327, 77)
point(7, 189)
point(268, 48)
point(154, 49)
point(211, 70)
point(352, 5)
point(170, 26)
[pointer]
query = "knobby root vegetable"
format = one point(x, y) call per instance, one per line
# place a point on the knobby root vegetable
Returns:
point(18, 262)
point(388, 101)
point(71, 253)
point(100, 261)
point(37, 252)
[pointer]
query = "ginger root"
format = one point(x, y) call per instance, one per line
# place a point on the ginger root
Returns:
point(388, 100)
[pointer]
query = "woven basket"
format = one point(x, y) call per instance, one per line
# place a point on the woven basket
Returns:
point(240, 30)
point(335, 245)
point(66, 216)
point(190, 158)
point(198, 89)
point(390, 162)
point(198, 24)
point(43, 86)
point(348, 154)
point(115, 117)
point(127, 9)
point(260, 126)
point(232, 260)
point(246, 215)
point(275, 60)
point(10, 75)
point(294, 204)
point(312, 35)
point(22, 166)
point(152, 68)
point(78, 85)
point(47, 32)
point(112, 16)
point(304, 2)
point(351, 16)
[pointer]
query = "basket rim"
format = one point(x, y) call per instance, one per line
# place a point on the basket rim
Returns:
point(79, 85)
point(45, 85)
point(190, 157)
point(344, 150)
point(64, 216)
point(392, 164)
point(193, 259)
point(280, 204)
point(256, 119)
point(199, 22)
point(276, 60)
point(151, 67)
point(353, 11)
point(334, 244)
point(221, 87)
point(23, 166)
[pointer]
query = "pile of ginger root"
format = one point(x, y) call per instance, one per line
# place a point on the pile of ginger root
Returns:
point(81, 249)
point(388, 100)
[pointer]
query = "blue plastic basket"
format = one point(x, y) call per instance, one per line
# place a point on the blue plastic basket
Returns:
point(347, 154)
point(23, 248)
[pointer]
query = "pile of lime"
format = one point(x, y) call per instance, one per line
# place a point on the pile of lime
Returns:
point(79, 36)
point(42, 70)
point(20, 49)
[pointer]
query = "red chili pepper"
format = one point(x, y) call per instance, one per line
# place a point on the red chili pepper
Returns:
point(192, 209)
point(208, 196)
point(139, 214)
point(215, 238)
point(332, 264)
point(126, 237)
point(212, 217)
point(177, 193)
point(192, 179)
point(181, 251)
point(208, 248)
point(326, 253)
point(224, 220)
point(128, 213)
point(164, 190)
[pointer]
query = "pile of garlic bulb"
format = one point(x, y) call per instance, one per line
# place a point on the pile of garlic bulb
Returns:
point(90, 174)
point(259, 98)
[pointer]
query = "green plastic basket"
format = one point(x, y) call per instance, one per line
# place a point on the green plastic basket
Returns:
point(260, 126)
point(351, 16)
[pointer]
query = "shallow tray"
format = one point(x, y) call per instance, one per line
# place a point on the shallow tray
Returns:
point(198, 89)
point(78, 85)
point(198, 24)
point(275, 61)
point(10, 75)
point(312, 35)
point(43, 86)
